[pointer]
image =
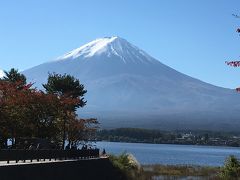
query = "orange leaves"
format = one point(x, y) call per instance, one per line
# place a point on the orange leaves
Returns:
point(82, 130)
point(68, 102)
point(28, 112)
point(10, 95)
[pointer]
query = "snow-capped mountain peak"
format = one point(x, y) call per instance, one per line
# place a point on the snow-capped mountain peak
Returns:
point(128, 88)
point(110, 46)
point(1, 73)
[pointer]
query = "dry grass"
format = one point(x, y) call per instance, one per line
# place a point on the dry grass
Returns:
point(180, 171)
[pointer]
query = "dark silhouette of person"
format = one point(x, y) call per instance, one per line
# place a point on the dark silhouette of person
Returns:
point(104, 152)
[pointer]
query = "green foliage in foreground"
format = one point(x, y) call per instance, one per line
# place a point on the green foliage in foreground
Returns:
point(231, 169)
point(127, 165)
point(131, 169)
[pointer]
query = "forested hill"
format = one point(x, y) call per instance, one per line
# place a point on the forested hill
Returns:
point(170, 137)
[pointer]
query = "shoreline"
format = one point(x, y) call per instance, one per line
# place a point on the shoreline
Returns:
point(138, 142)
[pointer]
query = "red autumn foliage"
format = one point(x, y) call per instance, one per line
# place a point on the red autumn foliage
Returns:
point(81, 130)
point(28, 112)
point(235, 63)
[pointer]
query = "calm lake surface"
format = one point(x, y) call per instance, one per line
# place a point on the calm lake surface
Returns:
point(172, 154)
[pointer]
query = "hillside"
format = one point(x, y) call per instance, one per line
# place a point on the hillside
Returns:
point(129, 88)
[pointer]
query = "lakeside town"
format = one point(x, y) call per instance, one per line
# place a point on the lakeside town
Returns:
point(171, 137)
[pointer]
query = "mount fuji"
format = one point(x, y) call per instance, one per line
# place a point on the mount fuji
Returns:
point(129, 88)
point(1, 73)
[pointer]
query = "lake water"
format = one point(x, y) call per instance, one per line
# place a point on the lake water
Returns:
point(172, 154)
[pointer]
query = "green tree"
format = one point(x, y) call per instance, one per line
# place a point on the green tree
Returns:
point(231, 169)
point(68, 88)
point(26, 112)
point(13, 76)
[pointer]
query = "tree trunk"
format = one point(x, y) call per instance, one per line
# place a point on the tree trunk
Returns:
point(64, 133)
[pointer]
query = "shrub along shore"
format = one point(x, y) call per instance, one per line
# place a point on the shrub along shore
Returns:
point(129, 166)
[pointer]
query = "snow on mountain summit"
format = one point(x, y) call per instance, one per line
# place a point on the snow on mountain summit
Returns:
point(1, 73)
point(129, 88)
point(110, 46)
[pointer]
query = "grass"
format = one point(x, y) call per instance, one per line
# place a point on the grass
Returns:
point(180, 171)
point(128, 165)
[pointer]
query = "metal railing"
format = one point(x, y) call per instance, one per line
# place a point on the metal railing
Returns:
point(23, 155)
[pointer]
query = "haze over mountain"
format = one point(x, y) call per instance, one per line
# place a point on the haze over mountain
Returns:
point(129, 88)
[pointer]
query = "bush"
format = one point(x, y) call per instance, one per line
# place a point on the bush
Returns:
point(127, 164)
point(231, 168)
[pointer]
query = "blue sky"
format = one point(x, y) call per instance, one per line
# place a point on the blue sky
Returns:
point(193, 37)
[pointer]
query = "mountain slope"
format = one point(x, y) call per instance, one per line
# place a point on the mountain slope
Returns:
point(127, 87)
point(1, 73)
